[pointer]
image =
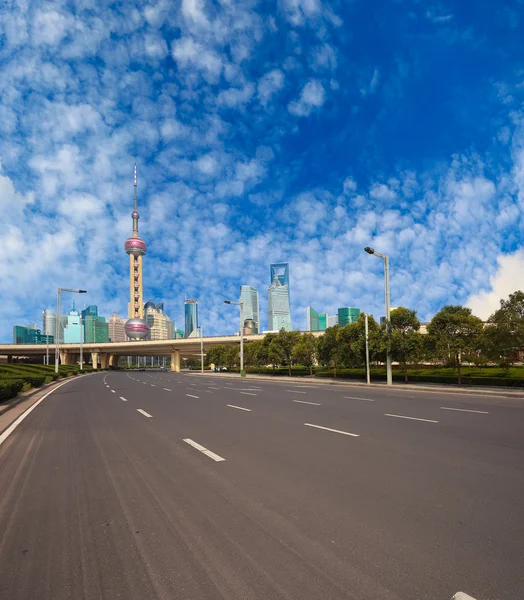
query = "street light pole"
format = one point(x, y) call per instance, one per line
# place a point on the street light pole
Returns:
point(81, 340)
point(57, 328)
point(241, 304)
point(201, 350)
point(385, 258)
point(368, 378)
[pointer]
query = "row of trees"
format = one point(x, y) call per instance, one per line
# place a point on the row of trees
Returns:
point(454, 336)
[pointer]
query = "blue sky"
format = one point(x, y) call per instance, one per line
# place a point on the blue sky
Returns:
point(263, 131)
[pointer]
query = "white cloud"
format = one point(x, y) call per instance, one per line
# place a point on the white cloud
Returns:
point(50, 27)
point(235, 97)
point(194, 11)
point(270, 84)
point(300, 11)
point(508, 278)
point(312, 96)
point(188, 54)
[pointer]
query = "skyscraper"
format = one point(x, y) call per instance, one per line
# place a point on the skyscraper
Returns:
point(95, 327)
point(74, 331)
point(116, 328)
point(249, 298)
point(278, 307)
point(191, 317)
point(347, 315)
point(315, 321)
point(136, 328)
point(48, 322)
point(161, 326)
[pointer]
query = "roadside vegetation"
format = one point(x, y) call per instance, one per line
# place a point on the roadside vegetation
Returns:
point(457, 348)
point(21, 377)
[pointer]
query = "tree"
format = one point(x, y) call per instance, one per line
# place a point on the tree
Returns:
point(352, 342)
point(329, 349)
point(253, 353)
point(305, 351)
point(455, 332)
point(215, 354)
point(281, 347)
point(406, 341)
point(503, 337)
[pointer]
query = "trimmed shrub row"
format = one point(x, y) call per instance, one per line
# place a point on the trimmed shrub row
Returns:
point(10, 388)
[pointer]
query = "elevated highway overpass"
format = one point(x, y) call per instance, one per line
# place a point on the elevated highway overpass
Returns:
point(107, 354)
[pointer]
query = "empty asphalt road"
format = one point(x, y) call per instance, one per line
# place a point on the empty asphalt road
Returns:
point(156, 485)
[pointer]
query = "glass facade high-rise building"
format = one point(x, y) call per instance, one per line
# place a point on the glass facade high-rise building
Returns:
point(278, 305)
point(315, 321)
point(249, 298)
point(347, 315)
point(190, 317)
point(31, 335)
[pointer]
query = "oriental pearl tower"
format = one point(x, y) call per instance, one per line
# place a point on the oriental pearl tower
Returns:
point(136, 328)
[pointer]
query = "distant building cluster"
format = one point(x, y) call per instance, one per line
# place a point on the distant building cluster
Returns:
point(320, 322)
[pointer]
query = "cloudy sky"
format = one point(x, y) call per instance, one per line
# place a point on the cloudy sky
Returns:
point(263, 131)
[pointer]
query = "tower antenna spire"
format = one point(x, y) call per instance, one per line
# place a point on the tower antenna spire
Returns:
point(135, 214)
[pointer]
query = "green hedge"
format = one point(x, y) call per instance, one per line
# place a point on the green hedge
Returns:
point(33, 380)
point(9, 389)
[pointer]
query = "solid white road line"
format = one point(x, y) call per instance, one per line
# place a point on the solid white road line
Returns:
point(16, 423)
point(204, 450)
point(304, 402)
point(191, 396)
point(144, 413)
point(239, 407)
point(167, 389)
point(353, 398)
point(333, 430)
point(248, 393)
point(410, 418)
point(296, 392)
point(480, 412)
point(122, 398)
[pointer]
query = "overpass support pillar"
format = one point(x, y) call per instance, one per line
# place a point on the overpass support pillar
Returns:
point(113, 361)
point(9, 359)
point(67, 358)
point(94, 359)
point(104, 360)
point(175, 361)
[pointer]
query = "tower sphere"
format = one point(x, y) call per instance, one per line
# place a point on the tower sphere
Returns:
point(136, 329)
point(135, 246)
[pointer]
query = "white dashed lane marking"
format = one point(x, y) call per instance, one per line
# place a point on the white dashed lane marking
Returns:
point(143, 412)
point(191, 396)
point(480, 412)
point(332, 430)
point(204, 450)
point(410, 418)
point(304, 402)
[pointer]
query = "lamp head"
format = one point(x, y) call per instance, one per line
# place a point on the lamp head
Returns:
point(369, 250)
point(227, 301)
point(82, 291)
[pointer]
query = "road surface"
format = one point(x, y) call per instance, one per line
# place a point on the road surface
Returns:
point(156, 485)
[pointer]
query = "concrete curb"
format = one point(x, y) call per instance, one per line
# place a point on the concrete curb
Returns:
point(399, 386)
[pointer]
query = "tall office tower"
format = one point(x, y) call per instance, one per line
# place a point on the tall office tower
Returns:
point(74, 331)
point(136, 328)
point(347, 315)
point(315, 321)
point(278, 308)
point(96, 330)
point(249, 298)
point(161, 326)
point(191, 318)
point(116, 326)
point(48, 322)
